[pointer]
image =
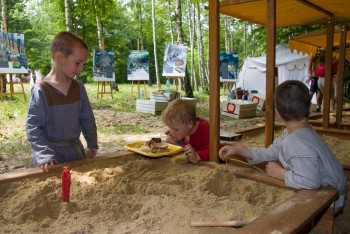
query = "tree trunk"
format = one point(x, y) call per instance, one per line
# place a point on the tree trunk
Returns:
point(67, 7)
point(171, 23)
point(155, 45)
point(202, 75)
point(180, 39)
point(191, 28)
point(139, 9)
point(4, 29)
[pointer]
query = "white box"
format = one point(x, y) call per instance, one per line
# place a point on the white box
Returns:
point(162, 96)
point(151, 106)
point(239, 109)
point(259, 99)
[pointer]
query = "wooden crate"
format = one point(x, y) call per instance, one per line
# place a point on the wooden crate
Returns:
point(259, 99)
point(239, 109)
point(151, 106)
point(162, 96)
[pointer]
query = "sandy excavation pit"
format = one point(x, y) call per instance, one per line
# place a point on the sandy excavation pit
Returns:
point(134, 194)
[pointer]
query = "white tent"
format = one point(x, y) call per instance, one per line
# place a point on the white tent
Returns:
point(291, 66)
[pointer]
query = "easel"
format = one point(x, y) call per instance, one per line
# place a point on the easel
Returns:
point(102, 90)
point(12, 91)
point(138, 87)
point(176, 81)
point(227, 84)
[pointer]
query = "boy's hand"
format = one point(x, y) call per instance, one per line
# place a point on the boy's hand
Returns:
point(91, 153)
point(46, 166)
point(191, 153)
point(227, 151)
point(275, 170)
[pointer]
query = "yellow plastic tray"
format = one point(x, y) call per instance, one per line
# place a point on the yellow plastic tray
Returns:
point(136, 147)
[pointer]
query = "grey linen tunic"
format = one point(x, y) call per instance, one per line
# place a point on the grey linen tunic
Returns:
point(308, 160)
point(55, 123)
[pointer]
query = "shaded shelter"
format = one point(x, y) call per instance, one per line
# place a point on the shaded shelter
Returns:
point(272, 14)
point(309, 42)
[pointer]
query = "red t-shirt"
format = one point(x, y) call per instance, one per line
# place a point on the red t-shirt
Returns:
point(200, 139)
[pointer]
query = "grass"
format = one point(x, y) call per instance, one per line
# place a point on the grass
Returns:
point(14, 147)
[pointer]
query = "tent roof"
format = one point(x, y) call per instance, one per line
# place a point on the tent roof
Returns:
point(289, 12)
point(309, 42)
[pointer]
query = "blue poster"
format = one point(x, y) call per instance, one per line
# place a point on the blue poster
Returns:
point(228, 65)
point(12, 53)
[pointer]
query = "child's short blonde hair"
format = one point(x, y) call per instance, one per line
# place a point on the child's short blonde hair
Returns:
point(179, 110)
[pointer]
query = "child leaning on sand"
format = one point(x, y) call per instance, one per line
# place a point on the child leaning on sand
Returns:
point(299, 156)
point(186, 129)
point(59, 108)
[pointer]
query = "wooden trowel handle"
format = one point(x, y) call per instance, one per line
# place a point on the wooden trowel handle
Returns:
point(233, 223)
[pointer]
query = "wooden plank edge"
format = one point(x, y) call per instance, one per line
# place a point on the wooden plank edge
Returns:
point(36, 172)
point(295, 214)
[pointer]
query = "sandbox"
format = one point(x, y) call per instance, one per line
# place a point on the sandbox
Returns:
point(127, 193)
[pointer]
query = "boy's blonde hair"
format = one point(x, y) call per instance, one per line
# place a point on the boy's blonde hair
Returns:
point(179, 110)
point(65, 42)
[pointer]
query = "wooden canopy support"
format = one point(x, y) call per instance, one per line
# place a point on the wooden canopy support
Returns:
point(214, 84)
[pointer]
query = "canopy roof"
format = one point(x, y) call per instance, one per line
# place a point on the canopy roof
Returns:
point(289, 12)
point(308, 43)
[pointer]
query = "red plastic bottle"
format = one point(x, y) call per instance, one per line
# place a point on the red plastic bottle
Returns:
point(65, 184)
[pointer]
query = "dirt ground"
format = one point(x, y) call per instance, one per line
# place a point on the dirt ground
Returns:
point(142, 195)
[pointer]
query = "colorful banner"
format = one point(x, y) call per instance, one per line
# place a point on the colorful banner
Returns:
point(103, 65)
point(138, 66)
point(175, 60)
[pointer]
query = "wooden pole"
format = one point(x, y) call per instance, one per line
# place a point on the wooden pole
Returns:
point(340, 76)
point(270, 72)
point(214, 84)
point(328, 73)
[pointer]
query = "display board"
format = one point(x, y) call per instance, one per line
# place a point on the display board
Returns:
point(228, 65)
point(13, 58)
point(175, 60)
point(103, 65)
point(138, 65)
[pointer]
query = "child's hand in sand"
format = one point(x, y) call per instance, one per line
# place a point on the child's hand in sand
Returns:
point(229, 150)
point(191, 153)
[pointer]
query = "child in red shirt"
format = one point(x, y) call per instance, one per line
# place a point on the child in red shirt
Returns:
point(186, 129)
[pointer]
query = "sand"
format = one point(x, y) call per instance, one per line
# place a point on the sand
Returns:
point(134, 194)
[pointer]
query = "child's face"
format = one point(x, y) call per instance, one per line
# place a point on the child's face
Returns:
point(180, 130)
point(72, 65)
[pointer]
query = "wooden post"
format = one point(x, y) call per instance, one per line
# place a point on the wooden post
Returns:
point(214, 84)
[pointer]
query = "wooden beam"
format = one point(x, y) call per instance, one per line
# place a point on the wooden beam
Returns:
point(316, 7)
point(214, 82)
point(270, 71)
point(235, 2)
point(327, 88)
point(340, 76)
point(292, 216)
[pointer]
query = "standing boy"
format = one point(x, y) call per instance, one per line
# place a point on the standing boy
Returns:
point(59, 108)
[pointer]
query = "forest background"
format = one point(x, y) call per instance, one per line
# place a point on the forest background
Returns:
point(123, 25)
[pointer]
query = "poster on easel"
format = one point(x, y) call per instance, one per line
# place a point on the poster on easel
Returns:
point(175, 60)
point(12, 53)
point(228, 66)
point(103, 65)
point(138, 65)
